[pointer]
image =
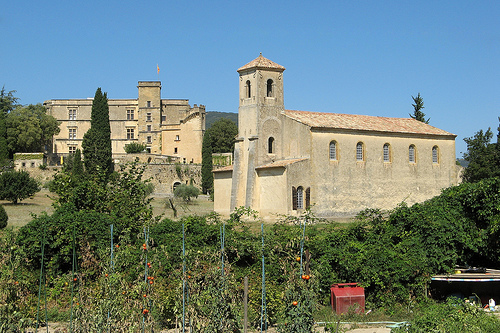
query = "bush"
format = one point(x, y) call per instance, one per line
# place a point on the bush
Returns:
point(17, 185)
point(134, 148)
point(186, 192)
point(3, 217)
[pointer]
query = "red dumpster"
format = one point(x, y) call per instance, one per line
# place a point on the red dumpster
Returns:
point(346, 295)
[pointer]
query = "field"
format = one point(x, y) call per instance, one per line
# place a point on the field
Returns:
point(21, 213)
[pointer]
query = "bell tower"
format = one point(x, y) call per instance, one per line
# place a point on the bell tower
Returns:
point(261, 102)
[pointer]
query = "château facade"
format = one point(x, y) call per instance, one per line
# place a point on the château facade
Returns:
point(169, 128)
point(337, 164)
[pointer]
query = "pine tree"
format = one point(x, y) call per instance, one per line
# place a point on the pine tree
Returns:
point(418, 106)
point(96, 143)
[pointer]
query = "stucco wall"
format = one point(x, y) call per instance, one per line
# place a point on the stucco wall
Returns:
point(222, 195)
point(346, 186)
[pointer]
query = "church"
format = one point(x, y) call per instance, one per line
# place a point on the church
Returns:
point(287, 161)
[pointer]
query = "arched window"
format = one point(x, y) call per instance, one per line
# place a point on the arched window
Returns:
point(412, 154)
point(270, 145)
point(249, 89)
point(269, 88)
point(360, 156)
point(387, 153)
point(333, 151)
point(435, 155)
point(300, 197)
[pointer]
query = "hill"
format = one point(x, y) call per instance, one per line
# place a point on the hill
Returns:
point(213, 116)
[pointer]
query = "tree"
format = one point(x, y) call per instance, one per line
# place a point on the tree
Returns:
point(17, 185)
point(219, 138)
point(97, 141)
point(207, 178)
point(418, 106)
point(4, 218)
point(7, 103)
point(134, 148)
point(30, 129)
point(483, 157)
point(186, 192)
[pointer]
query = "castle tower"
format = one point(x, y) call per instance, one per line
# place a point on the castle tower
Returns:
point(259, 139)
point(149, 118)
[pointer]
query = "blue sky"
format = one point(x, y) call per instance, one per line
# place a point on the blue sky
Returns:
point(357, 57)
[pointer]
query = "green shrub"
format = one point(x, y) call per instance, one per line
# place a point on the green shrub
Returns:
point(3, 217)
point(134, 148)
point(186, 192)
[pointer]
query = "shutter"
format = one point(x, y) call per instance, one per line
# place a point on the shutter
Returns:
point(308, 198)
point(294, 198)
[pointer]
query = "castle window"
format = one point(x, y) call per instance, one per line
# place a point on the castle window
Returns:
point(435, 155)
point(177, 138)
point(148, 128)
point(72, 114)
point(72, 133)
point(270, 145)
point(270, 88)
point(360, 156)
point(148, 139)
point(333, 151)
point(130, 114)
point(249, 89)
point(175, 150)
point(387, 153)
point(412, 154)
point(130, 133)
point(148, 104)
point(72, 149)
point(148, 116)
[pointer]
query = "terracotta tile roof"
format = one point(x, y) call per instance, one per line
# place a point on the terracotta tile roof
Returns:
point(366, 123)
point(261, 62)
point(281, 163)
point(226, 168)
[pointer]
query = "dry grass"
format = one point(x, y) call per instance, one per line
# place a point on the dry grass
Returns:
point(21, 213)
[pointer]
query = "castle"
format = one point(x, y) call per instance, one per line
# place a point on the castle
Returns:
point(169, 128)
point(286, 161)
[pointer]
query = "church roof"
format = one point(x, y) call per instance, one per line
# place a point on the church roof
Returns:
point(261, 62)
point(364, 123)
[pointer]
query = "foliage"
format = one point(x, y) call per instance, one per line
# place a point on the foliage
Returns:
point(4, 218)
point(213, 116)
point(207, 178)
point(482, 156)
point(417, 109)
point(450, 317)
point(28, 156)
point(30, 129)
point(186, 192)
point(17, 185)
point(7, 101)
point(219, 138)
point(124, 195)
point(391, 254)
point(134, 148)
point(96, 143)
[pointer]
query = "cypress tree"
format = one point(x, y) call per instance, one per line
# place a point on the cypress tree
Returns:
point(96, 143)
point(77, 169)
point(207, 178)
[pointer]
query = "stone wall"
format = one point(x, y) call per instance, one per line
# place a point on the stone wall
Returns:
point(164, 176)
